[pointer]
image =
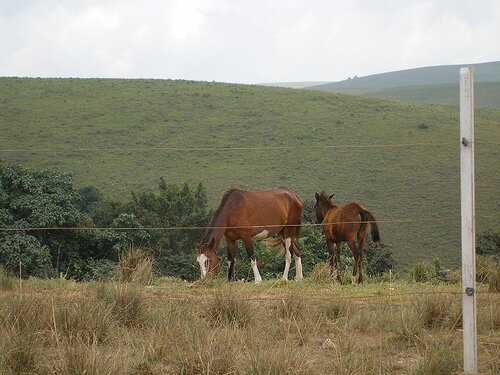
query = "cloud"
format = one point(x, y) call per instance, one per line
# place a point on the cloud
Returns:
point(241, 40)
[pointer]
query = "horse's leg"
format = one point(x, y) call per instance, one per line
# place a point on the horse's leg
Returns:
point(231, 252)
point(356, 254)
point(288, 258)
point(361, 246)
point(298, 261)
point(249, 246)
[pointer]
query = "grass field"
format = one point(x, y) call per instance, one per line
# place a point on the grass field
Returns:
point(111, 133)
point(486, 94)
point(172, 327)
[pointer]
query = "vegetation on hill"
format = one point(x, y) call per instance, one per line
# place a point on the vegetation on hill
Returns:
point(430, 75)
point(122, 135)
point(437, 84)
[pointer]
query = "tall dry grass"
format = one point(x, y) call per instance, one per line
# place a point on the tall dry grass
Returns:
point(135, 266)
point(237, 328)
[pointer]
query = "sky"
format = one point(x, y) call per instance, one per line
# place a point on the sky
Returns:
point(242, 41)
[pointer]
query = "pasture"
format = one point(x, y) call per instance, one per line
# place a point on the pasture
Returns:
point(166, 326)
point(123, 135)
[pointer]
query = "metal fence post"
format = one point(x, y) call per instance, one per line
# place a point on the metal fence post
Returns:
point(468, 220)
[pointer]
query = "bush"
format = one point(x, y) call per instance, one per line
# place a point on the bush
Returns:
point(485, 265)
point(135, 266)
point(425, 271)
point(488, 243)
point(378, 259)
point(227, 308)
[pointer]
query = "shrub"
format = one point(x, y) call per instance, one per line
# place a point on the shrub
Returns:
point(125, 301)
point(425, 271)
point(488, 243)
point(484, 265)
point(135, 266)
point(494, 279)
point(378, 258)
point(227, 308)
point(408, 325)
point(440, 358)
point(437, 310)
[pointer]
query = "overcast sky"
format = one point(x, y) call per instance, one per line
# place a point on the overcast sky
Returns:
point(244, 41)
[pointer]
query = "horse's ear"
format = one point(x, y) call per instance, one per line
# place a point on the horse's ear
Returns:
point(331, 196)
point(317, 196)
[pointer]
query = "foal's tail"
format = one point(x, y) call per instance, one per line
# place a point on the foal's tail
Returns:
point(367, 216)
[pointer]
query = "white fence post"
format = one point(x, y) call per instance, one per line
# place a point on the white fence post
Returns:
point(468, 220)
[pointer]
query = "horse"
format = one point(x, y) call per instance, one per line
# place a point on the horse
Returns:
point(248, 215)
point(345, 224)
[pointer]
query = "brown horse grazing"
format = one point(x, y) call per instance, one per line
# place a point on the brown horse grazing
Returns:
point(345, 224)
point(248, 215)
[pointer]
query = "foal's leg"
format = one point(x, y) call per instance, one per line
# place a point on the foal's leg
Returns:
point(231, 252)
point(288, 258)
point(357, 260)
point(338, 248)
point(298, 261)
point(331, 254)
point(249, 246)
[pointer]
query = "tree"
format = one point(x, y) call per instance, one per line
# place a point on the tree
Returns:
point(173, 206)
point(31, 200)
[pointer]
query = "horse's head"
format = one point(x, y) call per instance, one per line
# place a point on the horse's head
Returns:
point(323, 203)
point(207, 259)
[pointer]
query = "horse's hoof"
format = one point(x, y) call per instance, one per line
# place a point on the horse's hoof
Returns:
point(258, 281)
point(299, 278)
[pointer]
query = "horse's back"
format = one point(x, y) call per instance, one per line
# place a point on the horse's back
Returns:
point(266, 205)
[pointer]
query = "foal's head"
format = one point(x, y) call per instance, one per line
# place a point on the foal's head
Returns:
point(323, 204)
point(207, 259)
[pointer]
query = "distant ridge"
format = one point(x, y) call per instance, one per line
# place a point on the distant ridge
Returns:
point(433, 75)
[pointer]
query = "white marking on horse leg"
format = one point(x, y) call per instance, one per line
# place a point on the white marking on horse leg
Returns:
point(298, 268)
point(288, 258)
point(261, 235)
point(202, 258)
point(256, 273)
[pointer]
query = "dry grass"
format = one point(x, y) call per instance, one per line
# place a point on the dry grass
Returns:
point(6, 282)
point(135, 266)
point(239, 328)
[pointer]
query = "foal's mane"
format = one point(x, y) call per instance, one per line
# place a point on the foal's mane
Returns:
point(325, 199)
point(223, 201)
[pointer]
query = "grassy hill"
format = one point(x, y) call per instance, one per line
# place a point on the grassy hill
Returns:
point(486, 94)
point(114, 134)
point(430, 75)
point(436, 84)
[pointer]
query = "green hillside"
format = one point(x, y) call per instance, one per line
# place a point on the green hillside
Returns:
point(436, 84)
point(486, 94)
point(430, 75)
point(118, 135)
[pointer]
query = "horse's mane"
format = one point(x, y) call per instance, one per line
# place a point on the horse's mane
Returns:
point(223, 201)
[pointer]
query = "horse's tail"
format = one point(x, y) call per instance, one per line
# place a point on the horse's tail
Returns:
point(279, 243)
point(275, 242)
point(367, 216)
